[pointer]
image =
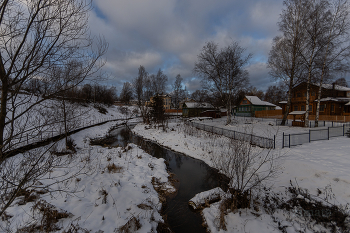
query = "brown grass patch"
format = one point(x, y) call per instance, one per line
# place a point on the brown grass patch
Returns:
point(112, 168)
point(131, 226)
point(50, 216)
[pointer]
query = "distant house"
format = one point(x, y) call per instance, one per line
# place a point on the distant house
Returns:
point(335, 99)
point(194, 109)
point(166, 101)
point(250, 104)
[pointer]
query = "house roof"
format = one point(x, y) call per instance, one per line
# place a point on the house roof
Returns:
point(335, 99)
point(283, 102)
point(336, 87)
point(256, 101)
point(297, 113)
point(198, 105)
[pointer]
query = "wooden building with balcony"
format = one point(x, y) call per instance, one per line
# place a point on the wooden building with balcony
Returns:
point(335, 99)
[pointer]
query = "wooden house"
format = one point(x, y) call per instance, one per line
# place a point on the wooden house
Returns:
point(194, 109)
point(250, 104)
point(335, 99)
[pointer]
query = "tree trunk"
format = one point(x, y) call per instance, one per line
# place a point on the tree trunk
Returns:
point(288, 102)
point(228, 113)
point(3, 108)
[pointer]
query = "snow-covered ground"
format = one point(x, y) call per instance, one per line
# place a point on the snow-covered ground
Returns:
point(321, 167)
point(110, 188)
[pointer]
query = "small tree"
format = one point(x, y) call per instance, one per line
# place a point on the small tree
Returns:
point(157, 111)
point(248, 168)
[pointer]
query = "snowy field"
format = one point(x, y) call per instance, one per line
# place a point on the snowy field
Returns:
point(321, 167)
point(98, 190)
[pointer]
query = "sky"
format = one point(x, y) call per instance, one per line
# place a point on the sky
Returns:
point(169, 34)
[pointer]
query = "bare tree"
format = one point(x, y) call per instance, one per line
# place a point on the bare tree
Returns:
point(335, 44)
point(247, 167)
point(223, 71)
point(284, 58)
point(178, 92)
point(275, 93)
point(36, 36)
point(341, 82)
point(158, 82)
point(138, 85)
point(126, 93)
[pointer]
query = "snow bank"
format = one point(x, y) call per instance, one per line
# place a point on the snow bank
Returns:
point(206, 197)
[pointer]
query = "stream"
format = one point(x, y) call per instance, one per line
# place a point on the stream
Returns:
point(194, 176)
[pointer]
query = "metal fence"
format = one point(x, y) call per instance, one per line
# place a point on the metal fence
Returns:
point(31, 138)
point(254, 140)
point(289, 140)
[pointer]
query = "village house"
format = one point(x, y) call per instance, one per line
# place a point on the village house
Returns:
point(166, 101)
point(250, 104)
point(335, 99)
point(194, 109)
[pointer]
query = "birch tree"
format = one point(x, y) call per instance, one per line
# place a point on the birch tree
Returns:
point(223, 71)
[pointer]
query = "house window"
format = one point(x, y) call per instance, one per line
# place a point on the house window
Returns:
point(313, 93)
point(298, 94)
point(302, 108)
point(304, 94)
point(322, 108)
point(332, 107)
point(295, 107)
point(310, 108)
point(245, 102)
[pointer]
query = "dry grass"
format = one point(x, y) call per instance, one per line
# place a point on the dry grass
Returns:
point(112, 168)
point(131, 226)
point(49, 217)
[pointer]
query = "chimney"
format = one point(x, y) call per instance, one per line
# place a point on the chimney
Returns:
point(333, 90)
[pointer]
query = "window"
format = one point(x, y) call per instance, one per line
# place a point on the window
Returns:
point(322, 107)
point(310, 108)
point(302, 108)
point(332, 107)
point(313, 93)
point(298, 94)
point(245, 102)
point(295, 107)
point(304, 94)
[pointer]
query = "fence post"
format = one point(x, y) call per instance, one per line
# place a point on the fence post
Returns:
point(289, 141)
point(274, 141)
point(309, 135)
point(343, 129)
point(324, 123)
point(283, 140)
point(27, 138)
point(328, 131)
point(332, 123)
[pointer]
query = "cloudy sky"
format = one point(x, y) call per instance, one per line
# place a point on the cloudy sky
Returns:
point(169, 34)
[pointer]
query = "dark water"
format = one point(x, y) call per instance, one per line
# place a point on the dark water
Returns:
point(194, 177)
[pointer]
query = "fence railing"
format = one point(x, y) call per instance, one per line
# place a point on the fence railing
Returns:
point(30, 138)
point(289, 140)
point(253, 139)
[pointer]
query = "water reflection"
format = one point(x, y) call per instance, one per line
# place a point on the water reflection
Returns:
point(194, 177)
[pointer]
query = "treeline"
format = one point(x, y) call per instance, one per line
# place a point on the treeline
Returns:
point(86, 93)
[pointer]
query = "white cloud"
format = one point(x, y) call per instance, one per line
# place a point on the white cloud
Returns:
point(169, 34)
